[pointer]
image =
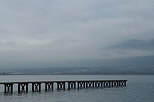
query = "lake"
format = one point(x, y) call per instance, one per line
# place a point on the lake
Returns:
point(140, 88)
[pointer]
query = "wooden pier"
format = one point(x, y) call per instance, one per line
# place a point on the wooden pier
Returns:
point(36, 86)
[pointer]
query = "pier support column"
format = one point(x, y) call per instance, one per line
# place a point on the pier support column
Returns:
point(60, 85)
point(22, 88)
point(104, 84)
point(112, 83)
point(115, 84)
point(118, 83)
point(124, 83)
point(48, 86)
point(98, 84)
point(71, 85)
point(107, 84)
point(36, 87)
point(8, 88)
point(89, 84)
point(81, 84)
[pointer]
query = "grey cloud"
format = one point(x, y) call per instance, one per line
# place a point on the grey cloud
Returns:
point(81, 29)
point(131, 48)
point(135, 44)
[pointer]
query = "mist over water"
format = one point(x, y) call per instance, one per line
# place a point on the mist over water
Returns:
point(139, 89)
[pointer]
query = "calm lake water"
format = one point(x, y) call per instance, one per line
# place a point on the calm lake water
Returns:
point(140, 88)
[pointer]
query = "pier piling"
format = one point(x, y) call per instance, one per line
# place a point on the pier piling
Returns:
point(36, 87)
point(8, 88)
point(60, 85)
point(71, 85)
point(22, 88)
point(49, 86)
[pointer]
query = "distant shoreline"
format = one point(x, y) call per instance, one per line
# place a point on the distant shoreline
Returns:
point(72, 74)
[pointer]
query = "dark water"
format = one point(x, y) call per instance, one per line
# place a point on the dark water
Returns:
point(140, 88)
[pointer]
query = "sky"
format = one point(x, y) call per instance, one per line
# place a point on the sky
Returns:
point(41, 32)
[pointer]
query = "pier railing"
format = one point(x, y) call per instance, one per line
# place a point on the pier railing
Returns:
point(36, 86)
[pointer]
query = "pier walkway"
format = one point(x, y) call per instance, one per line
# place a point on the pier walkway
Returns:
point(36, 86)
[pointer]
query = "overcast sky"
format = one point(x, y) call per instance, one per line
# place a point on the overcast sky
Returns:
point(53, 31)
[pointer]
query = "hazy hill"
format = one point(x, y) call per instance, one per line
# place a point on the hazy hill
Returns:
point(137, 65)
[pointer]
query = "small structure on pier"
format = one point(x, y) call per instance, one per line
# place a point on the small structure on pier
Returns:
point(61, 85)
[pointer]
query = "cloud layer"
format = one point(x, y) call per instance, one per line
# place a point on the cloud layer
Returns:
point(58, 30)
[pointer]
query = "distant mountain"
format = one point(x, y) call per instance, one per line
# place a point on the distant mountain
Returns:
point(136, 65)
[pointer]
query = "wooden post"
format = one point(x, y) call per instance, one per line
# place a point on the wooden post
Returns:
point(36, 87)
point(19, 88)
point(71, 85)
point(57, 86)
point(104, 83)
point(22, 88)
point(114, 83)
point(81, 84)
point(48, 86)
point(89, 84)
point(8, 88)
point(111, 83)
point(78, 86)
point(98, 84)
point(118, 83)
point(125, 83)
point(60, 85)
point(11, 88)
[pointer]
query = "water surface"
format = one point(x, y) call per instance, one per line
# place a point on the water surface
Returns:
point(140, 88)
